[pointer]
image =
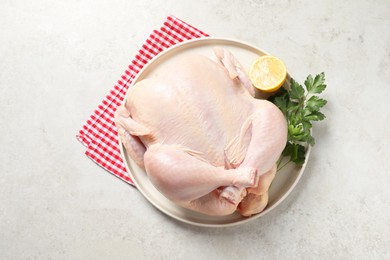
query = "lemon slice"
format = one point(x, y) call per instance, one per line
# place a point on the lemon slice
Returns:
point(268, 73)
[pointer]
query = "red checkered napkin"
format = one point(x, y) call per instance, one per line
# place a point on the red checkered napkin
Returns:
point(99, 133)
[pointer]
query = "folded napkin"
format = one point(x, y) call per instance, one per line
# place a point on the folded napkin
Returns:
point(99, 133)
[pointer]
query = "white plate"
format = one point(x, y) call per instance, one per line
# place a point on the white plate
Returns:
point(284, 181)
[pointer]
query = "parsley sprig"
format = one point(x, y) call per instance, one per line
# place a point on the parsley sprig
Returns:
point(301, 106)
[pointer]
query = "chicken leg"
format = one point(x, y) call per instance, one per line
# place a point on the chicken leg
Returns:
point(182, 177)
point(263, 150)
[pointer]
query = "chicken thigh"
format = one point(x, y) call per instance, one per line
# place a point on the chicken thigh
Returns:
point(201, 136)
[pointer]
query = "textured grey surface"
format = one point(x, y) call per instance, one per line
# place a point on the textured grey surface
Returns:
point(59, 59)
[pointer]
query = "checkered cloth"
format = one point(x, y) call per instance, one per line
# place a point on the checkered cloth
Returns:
point(99, 133)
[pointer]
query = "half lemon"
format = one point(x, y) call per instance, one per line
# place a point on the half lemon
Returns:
point(268, 73)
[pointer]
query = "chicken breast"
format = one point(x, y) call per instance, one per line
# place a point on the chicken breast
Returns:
point(201, 136)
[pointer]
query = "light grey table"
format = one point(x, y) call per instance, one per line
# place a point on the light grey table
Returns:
point(59, 58)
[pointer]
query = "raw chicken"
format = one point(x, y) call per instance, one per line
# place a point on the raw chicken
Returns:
point(205, 142)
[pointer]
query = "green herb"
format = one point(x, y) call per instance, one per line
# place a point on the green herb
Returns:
point(301, 106)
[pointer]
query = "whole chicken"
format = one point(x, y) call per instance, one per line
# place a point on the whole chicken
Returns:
point(205, 142)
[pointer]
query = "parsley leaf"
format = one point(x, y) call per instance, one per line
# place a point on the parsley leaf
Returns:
point(317, 85)
point(315, 116)
point(314, 103)
point(281, 103)
point(296, 91)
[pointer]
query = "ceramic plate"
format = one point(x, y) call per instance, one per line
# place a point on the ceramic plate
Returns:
point(285, 179)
